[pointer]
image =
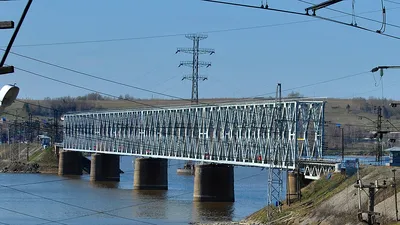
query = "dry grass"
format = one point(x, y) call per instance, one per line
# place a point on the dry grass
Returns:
point(333, 201)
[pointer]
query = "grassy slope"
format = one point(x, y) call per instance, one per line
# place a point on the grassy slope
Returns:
point(46, 159)
point(320, 201)
point(313, 195)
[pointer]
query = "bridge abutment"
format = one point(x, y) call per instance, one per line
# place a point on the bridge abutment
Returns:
point(214, 183)
point(69, 163)
point(150, 174)
point(104, 167)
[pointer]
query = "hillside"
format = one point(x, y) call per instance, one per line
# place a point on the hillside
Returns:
point(334, 201)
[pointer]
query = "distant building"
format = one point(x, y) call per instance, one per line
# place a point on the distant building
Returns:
point(44, 140)
point(394, 154)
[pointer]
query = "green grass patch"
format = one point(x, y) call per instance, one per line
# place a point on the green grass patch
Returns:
point(35, 156)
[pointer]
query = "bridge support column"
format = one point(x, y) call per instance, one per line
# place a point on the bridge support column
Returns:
point(69, 163)
point(214, 183)
point(150, 174)
point(104, 167)
point(292, 187)
point(295, 182)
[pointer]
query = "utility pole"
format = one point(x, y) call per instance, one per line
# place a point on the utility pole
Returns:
point(379, 133)
point(395, 194)
point(359, 182)
point(372, 188)
point(195, 63)
point(342, 131)
point(29, 136)
point(55, 117)
point(10, 25)
point(14, 134)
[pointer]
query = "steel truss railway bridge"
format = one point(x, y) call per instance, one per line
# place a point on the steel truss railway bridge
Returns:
point(287, 134)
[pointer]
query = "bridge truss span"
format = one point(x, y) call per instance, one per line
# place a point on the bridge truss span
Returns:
point(264, 134)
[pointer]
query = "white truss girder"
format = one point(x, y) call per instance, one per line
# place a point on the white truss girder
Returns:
point(242, 134)
point(314, 170)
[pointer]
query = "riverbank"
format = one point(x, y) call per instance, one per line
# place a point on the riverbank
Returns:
point(18, 167)
point(40, 161)
point(332, 200)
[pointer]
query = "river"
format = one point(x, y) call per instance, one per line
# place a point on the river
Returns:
point(50, 199)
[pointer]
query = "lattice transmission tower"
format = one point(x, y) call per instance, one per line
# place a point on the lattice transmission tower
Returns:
point(195, 63)
point(275, 172)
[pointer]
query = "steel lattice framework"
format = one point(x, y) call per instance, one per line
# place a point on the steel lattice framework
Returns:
point(241, 134)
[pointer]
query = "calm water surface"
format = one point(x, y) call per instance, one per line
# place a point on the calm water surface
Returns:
point(50, 199)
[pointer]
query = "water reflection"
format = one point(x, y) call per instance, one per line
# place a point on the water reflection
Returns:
point(150, 204)
point(152, 194)
point(215, 211)
point(104, 184)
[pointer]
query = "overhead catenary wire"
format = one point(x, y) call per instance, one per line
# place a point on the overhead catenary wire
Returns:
point(180, 34)
point(303, 14)
point(394, 2)
point(360, 17)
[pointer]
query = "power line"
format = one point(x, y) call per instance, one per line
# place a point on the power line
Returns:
point(302, 14)
point(317, 83)
point(392, 2)
point(168, 95)
point(85, 88)
point(181, 34)
point(94, 76)
point(28, 215)
point(72, 205)
point(98, 212)
point(88, 89)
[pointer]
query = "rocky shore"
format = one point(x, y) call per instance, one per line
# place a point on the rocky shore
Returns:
point(19, 167)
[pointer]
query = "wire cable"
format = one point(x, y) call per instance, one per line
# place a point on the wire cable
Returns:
point(32, 216)
point(73, 205)
point(383, 22)
point(317, 83)
point(96, 77)
point(303, 14)
point(145, 203)
point(392, 2)
point(178, 34)
point(84, 88)
point(168, 95)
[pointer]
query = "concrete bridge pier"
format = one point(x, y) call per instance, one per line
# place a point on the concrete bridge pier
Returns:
point(69, 163)
point(150, 174)
point(214, 183)
point(292, 187)
point(104, 167)
point(295, 182)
